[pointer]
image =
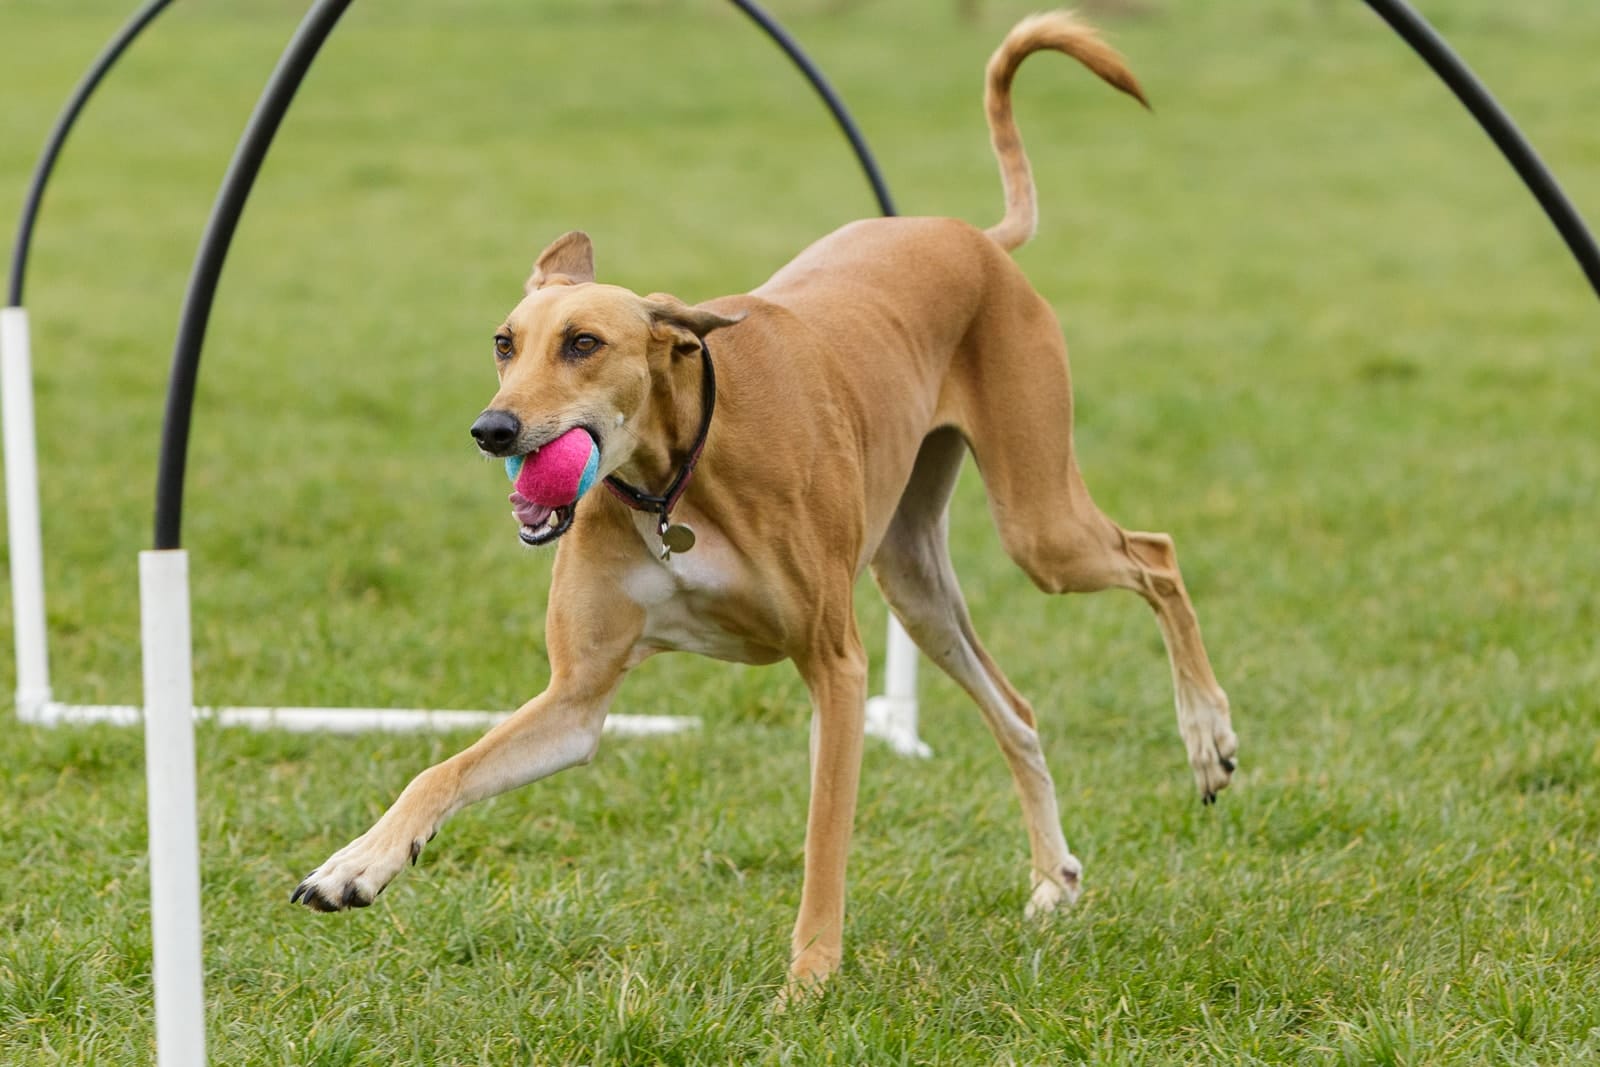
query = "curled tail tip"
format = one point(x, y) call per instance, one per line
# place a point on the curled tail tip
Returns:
point(1126, 82)
point(1064, 31)
point(1059, 31)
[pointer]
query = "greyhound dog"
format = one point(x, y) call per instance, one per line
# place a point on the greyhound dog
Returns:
point(847, 390)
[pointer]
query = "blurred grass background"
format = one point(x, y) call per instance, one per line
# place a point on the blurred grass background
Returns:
point(1319, 333)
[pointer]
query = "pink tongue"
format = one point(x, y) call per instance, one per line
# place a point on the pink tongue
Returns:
point(552, 476)
point(529, 514)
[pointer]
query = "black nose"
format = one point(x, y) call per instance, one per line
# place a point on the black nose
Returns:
point(495, 431)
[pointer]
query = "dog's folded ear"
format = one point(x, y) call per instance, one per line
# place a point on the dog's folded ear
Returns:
point(568, 261)
point(685, 326)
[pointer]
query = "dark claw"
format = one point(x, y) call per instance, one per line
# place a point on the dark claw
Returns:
point(305, 893)
point(1208, 799)
point(1227, 764)
point(416, 850)
point(353, 897)
point(317, 902)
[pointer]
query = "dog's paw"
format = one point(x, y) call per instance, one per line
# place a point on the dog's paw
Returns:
point(1061, 884)
point(807, 974)
point(1204, 720)
point(795, 993)
point(355, 875)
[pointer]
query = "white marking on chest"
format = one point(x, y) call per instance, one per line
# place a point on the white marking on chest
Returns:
point(674, 597)
point(682, 578)
point(649, 585)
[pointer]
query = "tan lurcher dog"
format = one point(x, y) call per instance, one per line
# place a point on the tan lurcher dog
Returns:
point(847, 389)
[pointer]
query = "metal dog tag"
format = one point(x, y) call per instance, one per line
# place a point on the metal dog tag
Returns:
point(677, 538)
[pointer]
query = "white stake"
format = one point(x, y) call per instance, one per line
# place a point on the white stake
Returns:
point(22, 515)
point(174, 831)
point(893, 716)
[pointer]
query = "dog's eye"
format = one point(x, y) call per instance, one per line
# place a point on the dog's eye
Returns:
point(585, 344)
point(502, 346)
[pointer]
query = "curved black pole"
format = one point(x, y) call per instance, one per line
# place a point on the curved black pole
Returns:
point(236, 184)
point(1498, 125)
point(241, 176)
point(58, 137)
point(846, 124)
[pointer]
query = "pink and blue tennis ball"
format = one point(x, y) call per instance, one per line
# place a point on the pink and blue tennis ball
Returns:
point(557, 474)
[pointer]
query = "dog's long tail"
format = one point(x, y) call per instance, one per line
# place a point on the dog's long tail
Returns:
point(1060, 32)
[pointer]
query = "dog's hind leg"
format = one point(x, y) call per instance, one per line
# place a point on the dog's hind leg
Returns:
point(1076, 549)
point(1019, 426)
point(912, 567)
point(1204, 720)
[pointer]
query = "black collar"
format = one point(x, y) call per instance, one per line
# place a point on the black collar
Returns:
point(661, 506)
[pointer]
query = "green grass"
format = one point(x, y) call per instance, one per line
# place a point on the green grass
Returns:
point(1319, 333)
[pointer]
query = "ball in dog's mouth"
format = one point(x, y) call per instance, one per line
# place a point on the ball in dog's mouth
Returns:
point(547, 482)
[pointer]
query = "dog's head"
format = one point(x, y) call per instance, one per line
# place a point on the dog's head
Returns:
point(577, 354)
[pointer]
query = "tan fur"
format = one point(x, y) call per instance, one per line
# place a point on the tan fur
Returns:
point(849, 387)
point(1062, 33)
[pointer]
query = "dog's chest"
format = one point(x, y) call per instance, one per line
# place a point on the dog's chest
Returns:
point(690, 605)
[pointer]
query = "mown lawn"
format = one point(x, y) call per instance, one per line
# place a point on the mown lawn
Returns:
point(1318, 332)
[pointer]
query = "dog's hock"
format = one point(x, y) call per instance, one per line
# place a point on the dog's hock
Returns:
point(568, 261)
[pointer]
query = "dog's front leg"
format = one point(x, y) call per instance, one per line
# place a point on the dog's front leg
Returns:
point(559, 728)
point(838, 683)
point(553, 731)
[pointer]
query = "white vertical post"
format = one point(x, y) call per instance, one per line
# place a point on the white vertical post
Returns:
point(22, 516)
point(174, 829)
point(893, 716)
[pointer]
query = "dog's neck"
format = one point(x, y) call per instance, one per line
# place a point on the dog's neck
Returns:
point(668, 433)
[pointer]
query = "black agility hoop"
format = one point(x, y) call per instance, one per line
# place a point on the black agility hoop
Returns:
point(248, 156)
point(58, 137)
point(847, 125)
point(1422, 37)
point(224, 220)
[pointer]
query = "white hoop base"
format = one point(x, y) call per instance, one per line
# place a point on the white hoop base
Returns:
point(343, 720)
